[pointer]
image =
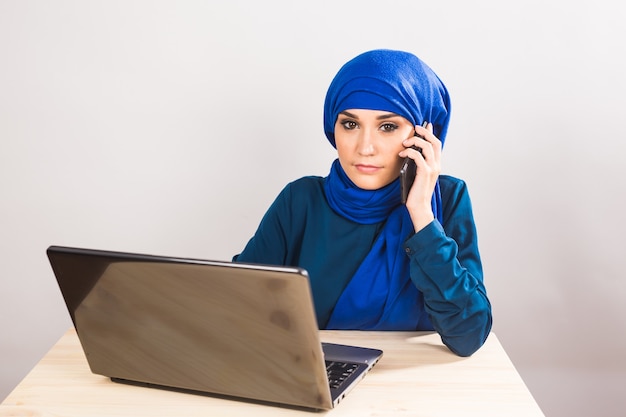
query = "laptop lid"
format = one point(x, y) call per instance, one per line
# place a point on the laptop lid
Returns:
point(232, 329)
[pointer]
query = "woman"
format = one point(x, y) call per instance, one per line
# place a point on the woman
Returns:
point(375, 263)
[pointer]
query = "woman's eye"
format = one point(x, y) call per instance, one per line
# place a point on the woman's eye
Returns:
point(389, 127)
point(349, 124)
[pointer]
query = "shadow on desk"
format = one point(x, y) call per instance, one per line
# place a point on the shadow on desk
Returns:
point(410, 349)
point(214, 395)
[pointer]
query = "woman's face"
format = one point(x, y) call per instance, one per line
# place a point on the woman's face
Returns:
point(368, 143)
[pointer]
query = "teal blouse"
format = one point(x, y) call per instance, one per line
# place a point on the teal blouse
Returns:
point(300, 229)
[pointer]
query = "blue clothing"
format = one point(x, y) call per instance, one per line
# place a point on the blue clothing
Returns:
point(380, 295)
point(300, 229)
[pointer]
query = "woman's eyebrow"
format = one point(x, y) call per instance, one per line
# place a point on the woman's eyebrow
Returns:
point(345, 113)
point(381, 117)
point(386, 116)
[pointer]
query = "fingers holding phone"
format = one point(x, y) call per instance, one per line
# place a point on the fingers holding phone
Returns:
point(409, 167)
point(421, 165)
point(428, 145)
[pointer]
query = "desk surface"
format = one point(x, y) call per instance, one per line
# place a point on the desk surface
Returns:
point(417, 376)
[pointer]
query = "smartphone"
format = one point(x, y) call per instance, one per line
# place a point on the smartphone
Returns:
point(408, 172)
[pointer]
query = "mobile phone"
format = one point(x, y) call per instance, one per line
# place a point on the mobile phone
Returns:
point(408, 172)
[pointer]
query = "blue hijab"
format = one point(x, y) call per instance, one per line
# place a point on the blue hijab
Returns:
point(381, 295)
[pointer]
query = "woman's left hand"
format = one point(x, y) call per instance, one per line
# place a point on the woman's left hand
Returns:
point(428, 163)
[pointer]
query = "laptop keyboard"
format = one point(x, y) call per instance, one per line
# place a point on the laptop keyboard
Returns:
point(339, 372)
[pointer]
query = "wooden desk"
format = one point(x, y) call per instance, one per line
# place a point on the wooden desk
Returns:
point(417, 376)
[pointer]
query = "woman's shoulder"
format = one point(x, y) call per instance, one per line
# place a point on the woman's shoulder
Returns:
point(306, 185)
point(452, 185)
point(310, 181)
point(455, 199)
point(305, 190)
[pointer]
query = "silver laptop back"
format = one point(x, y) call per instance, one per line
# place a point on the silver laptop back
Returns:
point(223, 328)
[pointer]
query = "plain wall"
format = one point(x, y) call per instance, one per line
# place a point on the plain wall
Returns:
point(169, 127)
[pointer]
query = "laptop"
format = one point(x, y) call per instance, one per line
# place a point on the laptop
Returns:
point(226, 329)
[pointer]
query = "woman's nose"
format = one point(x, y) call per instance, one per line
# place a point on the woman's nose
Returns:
point(366, 143)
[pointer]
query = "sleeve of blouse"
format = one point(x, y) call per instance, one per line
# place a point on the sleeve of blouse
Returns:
point(446, 268)
point(270, 244)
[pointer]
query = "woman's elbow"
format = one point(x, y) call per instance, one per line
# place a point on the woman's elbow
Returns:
point(467, 343)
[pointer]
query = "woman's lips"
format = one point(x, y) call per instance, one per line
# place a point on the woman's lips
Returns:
point(367, 169)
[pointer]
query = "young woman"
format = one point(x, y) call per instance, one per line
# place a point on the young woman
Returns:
point(375, 263)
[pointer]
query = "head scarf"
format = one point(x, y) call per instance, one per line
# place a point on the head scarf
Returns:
point(389, 80)
point(381, 295)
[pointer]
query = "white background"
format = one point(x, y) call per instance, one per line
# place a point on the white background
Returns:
point(169, 127)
